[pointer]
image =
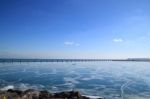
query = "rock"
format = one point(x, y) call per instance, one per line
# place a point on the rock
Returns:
point(28, 91)
point(44, 95)
point(32, 94)
point(18, 92)
point(68, 95)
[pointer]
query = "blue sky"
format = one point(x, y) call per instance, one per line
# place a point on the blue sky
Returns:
point(74, 28)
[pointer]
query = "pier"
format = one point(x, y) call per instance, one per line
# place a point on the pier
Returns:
point(70, 60)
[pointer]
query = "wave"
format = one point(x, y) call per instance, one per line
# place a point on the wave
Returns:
point(22, 87)
point(7, 87)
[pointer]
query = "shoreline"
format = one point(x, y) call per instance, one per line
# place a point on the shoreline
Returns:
point(35, 94)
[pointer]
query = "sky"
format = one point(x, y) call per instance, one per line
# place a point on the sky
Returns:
point(74, 28)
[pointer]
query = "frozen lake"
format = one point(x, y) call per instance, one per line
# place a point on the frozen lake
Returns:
point(113, 80)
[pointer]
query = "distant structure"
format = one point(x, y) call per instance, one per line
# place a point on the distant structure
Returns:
point(138, 59)
point(72, 60)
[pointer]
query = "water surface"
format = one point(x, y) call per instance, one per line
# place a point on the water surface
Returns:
point(113, 80)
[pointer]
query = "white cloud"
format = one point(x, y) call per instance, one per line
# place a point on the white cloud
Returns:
point(118, 40)
point(71, 43)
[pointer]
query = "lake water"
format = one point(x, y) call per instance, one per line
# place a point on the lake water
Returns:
point(112, 80)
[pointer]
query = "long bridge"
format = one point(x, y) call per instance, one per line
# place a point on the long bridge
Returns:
point(72, 60)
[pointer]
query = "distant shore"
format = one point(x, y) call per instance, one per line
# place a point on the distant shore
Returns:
point(72, 60)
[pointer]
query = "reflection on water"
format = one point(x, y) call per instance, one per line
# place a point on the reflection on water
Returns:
point(113, 80)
